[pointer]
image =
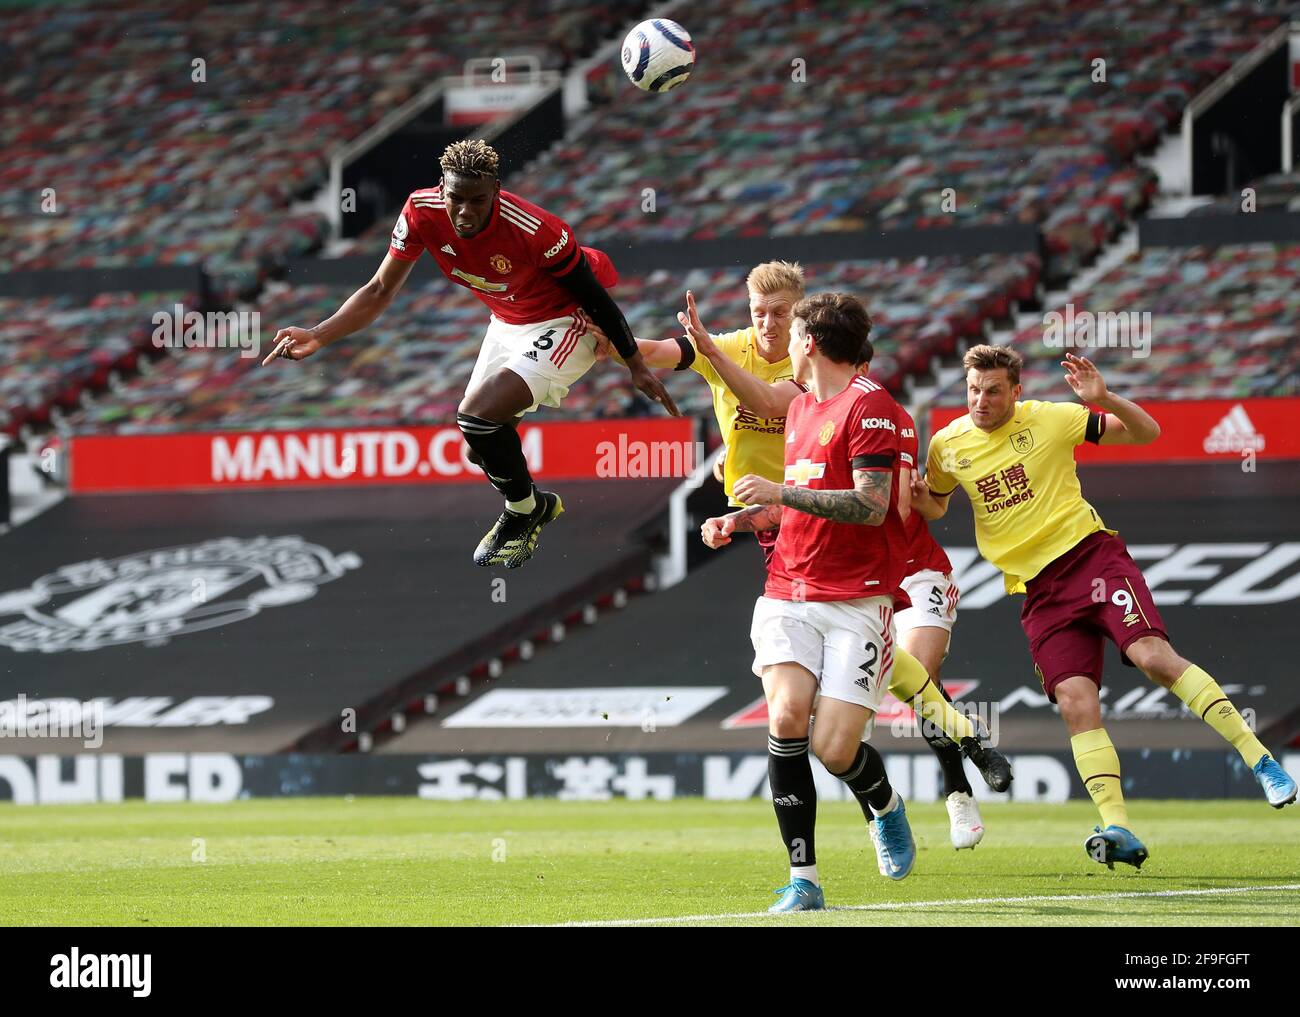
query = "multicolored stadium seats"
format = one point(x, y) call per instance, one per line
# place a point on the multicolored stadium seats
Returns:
point(854, 127)
point(412, 365)
point(112, 153)
point(1223, 324)
point(54, 349)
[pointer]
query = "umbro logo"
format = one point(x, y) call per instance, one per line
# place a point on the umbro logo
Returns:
point(446, 249)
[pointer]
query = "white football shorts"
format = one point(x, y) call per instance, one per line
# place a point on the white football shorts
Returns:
point(549, 355)
point(848, 645)
point(934, 602)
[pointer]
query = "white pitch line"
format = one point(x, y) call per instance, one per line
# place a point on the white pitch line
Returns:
point(903, 905)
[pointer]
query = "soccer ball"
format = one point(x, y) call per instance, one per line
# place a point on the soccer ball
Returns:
point(658, 55)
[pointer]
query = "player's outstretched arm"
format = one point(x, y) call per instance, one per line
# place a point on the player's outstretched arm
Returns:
point(1127, 423)
point(866, 503)
point(657, 353)
point(358, 311)
point(766, 399)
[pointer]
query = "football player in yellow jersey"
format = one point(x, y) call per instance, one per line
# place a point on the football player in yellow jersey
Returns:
point(1015, 461)
point(753, 384)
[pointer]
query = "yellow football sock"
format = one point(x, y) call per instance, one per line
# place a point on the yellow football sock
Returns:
point(1098, 764)
point(1204, 698)
point(911, 680)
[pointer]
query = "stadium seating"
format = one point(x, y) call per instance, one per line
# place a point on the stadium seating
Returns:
point(1224, 323)
point(880, 124)
point(412, 365)
point(54, 349)
point(148, 166)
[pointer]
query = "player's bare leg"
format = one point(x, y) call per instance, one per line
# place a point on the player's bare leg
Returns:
point(1203, 697)
point(837, 742)
point(1098, 764)
point(790, 690)
point(929, 645)
point(488, 417)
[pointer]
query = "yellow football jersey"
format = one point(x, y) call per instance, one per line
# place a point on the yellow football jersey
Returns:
point(1022, 484)
point(754, 444)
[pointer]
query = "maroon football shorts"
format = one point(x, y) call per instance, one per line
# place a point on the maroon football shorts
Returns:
point(1093, 592)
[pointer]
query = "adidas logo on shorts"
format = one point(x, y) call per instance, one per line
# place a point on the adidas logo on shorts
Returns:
point(531, 354)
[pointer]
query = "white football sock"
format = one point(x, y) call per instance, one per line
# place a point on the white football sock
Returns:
point(893, 804)
point(526, 506)
point(808, 872)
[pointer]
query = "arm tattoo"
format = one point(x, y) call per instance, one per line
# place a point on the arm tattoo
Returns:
point(758, 517)
point(867, 503)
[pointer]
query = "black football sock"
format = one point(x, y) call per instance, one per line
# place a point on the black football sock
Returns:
point(502, 454)
point(867, 780)
point(948, 753)
point(794, 796)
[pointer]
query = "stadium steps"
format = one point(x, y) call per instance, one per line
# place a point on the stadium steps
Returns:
point(598, 555)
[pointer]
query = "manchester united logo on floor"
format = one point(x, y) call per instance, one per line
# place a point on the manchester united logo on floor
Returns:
point(151, 596)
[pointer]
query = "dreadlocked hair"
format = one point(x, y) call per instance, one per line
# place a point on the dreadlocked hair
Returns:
point(472, 157)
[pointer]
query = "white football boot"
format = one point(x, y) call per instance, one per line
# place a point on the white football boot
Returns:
point(965, 827)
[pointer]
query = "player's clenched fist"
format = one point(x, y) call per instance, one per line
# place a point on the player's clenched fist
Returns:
point(754, 490)
point(292, 344)
point(717, 532)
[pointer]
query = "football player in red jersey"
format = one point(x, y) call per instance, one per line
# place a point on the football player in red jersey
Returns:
point(824, 629)
point(527, 267)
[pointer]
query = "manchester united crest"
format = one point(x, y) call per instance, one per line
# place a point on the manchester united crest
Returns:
point(826, 433)
point(1022, 441)
point(500, 264)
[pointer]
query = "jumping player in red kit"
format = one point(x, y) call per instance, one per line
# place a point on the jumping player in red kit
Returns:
point(823, 632)
point(541, 286)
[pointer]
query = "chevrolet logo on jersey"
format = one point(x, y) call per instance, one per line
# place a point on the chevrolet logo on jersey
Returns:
point(479, 283)
point(803, 471)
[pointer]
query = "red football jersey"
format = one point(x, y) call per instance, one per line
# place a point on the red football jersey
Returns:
point(509, 265)
point(923, 551)
point(816, 558)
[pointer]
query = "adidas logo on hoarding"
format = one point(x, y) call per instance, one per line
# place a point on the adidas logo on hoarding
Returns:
point(1234, 433)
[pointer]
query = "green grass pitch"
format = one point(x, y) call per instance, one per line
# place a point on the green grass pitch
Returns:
point(402, 861)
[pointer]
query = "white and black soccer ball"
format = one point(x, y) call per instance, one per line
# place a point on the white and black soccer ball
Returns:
point(658, 55)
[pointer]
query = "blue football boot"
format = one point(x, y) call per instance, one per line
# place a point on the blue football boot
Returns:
point(1278, 786)
point(895, 848)
point(1115, 844)
point(799, 895)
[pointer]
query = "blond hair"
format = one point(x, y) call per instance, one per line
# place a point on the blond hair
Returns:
point(472, 157)
point(990, 358)
point(776, 277)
